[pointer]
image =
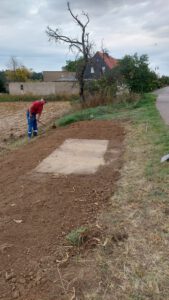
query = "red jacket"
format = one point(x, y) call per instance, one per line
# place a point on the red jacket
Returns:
point(36, 107)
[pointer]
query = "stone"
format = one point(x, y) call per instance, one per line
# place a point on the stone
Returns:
point(165, 158)
point(9, 276)
point(22, 280)
point(16, 294)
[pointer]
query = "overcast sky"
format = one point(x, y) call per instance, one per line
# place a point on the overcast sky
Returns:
point(120, 26)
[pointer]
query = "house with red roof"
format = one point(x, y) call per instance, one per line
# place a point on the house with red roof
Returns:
point(100, 64)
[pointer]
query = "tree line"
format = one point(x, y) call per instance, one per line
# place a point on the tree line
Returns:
point(133, 71)
point(17, 72)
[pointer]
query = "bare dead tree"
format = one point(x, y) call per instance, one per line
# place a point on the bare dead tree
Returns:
point(82, 45)
point(12, 65)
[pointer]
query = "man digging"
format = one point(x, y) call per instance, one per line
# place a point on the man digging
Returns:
point(33, 116)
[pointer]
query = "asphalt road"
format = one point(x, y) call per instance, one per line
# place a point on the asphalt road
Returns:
point(162, 103)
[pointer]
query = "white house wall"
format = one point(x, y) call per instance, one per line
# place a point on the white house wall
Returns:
point(42, 88)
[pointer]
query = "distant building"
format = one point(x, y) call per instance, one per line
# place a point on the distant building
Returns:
point(54, 83)
point(99, 64)
point(53, 76)
point(64, 82)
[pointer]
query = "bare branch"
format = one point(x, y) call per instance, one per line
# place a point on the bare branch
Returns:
point(57, 36)
point(87, 17)
point(76, 18)
point(82, 45)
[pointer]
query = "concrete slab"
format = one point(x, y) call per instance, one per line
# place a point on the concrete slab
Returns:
point(75, 156)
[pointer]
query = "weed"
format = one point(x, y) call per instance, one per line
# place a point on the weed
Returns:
point(78, 236)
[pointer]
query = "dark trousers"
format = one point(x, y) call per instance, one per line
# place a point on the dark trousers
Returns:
point(32, 125)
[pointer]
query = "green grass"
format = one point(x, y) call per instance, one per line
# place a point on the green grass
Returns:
point(141, 112)
point(76, 237)
point(137, 268)
point(137, 111)
point(29, 98)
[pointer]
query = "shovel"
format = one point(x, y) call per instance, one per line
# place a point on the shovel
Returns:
point(41, 128)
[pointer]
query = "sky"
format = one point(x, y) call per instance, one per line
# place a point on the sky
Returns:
point(120, 26)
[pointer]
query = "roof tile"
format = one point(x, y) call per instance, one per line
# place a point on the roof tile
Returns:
point(109, 61)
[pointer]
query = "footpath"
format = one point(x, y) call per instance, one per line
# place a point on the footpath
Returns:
point(162, 103)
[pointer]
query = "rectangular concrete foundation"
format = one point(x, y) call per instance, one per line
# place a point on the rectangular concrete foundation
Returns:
point(75, 156)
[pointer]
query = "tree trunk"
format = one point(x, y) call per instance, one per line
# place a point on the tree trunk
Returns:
point(82, 83)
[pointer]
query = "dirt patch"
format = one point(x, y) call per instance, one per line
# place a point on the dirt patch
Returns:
point(37, 211)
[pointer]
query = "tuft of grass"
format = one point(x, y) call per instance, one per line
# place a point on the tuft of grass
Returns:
point(78, 236)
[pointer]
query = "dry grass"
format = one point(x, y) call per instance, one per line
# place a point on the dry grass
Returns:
point(99, 99)
point(133, 260)
point(96, 100)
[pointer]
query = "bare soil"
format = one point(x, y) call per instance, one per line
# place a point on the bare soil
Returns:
point(37, 211)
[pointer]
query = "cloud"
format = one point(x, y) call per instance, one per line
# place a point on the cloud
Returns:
point(121, 26)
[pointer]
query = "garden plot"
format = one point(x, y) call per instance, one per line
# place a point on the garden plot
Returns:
point(38, 210)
